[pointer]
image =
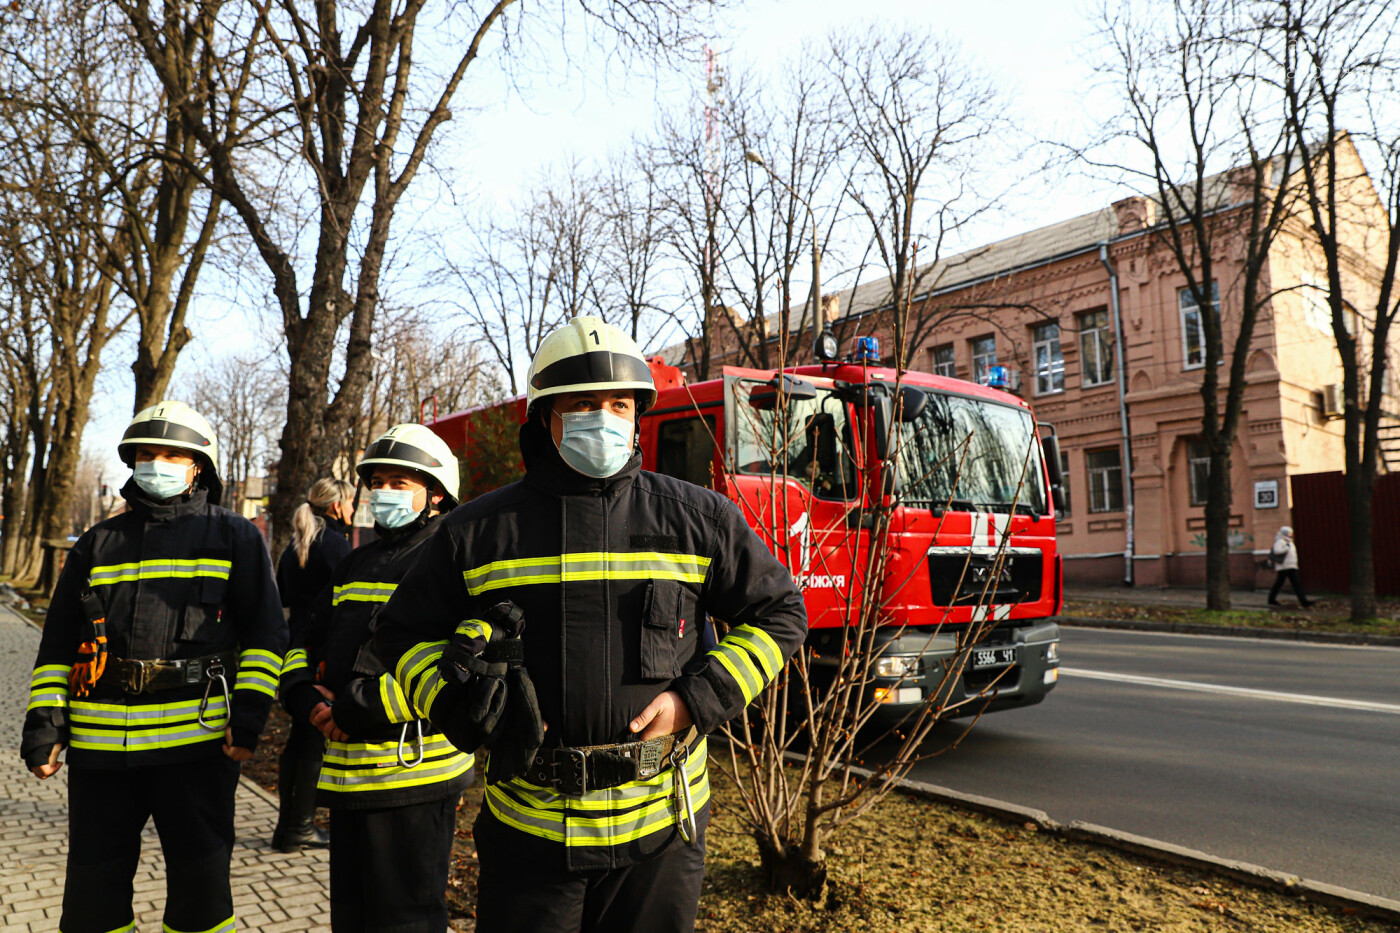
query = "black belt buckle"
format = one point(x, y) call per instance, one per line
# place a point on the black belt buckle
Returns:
point(571, 774)
point(648, 759)
point(135, 676)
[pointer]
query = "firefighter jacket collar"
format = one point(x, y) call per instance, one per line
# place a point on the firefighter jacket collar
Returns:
point(163, 510)
point(546, 471)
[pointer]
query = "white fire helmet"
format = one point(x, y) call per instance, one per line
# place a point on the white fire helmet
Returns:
point(589, 355)
point(414, 447)
point(175, 424)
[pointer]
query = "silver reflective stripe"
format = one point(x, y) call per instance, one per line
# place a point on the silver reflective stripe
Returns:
point(395, 703)
point(294, 661)
point(417, 675)
point(367, 766)
point(616, 816)
point(142, 728)
point(49, 686)
point(157, 569)
point(360, 591)
point(589, 565)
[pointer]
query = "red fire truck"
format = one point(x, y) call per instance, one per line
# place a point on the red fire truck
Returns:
point(820, 457)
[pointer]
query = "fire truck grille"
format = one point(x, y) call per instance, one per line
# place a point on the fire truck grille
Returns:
point(963, 580)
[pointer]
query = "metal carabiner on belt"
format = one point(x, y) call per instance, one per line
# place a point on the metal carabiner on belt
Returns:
point(685, 807)
point(212, 671)
point(403, 734)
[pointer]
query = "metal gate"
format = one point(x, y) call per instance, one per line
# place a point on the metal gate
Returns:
point(1322, 530)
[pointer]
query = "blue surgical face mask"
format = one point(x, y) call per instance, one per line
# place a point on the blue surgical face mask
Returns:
point(392, 508)
point(596, 443)
point(161, 480)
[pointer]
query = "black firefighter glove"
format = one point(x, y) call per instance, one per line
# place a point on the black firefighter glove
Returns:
point(519, 732)
point(469, 706)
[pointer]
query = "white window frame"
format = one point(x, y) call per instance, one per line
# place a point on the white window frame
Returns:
point(948, 367)
point(1197, 457)
point(1186, 303)
point(982, 363)
point(1100, 338)
point(1050, 378)
point(1100, 486)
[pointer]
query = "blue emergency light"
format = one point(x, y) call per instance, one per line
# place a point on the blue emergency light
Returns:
point(998, 377)
point(867, 349)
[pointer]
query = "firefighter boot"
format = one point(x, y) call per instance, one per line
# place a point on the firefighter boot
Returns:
point(296, 792)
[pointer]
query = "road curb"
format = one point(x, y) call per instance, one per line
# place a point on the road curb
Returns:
point(1196, 628)
point(1257, 876)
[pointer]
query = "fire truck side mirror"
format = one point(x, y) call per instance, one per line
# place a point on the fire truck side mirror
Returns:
point(911, 403)
point(882, 415)
point(1050, 444)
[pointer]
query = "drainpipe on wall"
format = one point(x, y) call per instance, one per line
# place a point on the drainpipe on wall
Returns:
point(1128, 539)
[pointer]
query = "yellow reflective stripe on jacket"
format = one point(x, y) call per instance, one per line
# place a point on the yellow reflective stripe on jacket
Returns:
point(395, 703)
point(616, 816)
point(369, 766)
point(295, 660)
point(751, 657)
point(258, 671)
point(417, 674)
point(49, 686)
point(588, 565)
point(145, 727)
point(475, 628)
point(228, 926)
point(157, 569)
point(363, 592)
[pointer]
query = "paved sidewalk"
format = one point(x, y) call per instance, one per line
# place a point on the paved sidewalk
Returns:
point(272, 892)
point(1182, 597)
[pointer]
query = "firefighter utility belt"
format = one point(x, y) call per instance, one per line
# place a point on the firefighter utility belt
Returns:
point(576, 771)
point(136, 677)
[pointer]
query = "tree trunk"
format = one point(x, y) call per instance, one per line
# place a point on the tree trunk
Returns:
point(788, 871)
point(1218, 496)
point(1363, 570)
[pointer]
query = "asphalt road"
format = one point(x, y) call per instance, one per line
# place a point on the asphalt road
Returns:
point(1276, 753)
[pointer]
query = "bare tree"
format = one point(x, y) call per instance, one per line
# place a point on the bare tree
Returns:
point(364, 116)
point(242, 396)
point(1337, 62)
point(1200, 128)
point(927, 128)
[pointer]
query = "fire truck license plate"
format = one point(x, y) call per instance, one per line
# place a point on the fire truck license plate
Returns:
point(983, 658)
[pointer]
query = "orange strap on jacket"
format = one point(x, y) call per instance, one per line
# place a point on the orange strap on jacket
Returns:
point(92, 661)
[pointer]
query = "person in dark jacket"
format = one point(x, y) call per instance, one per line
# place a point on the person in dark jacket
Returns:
point(158, 663)
point(320, 541)
point(613, 570)
point(392, 781)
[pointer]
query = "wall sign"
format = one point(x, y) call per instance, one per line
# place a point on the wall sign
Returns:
point(1266, 494)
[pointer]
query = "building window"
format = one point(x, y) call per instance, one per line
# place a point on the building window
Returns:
point(984, 357)
point(1064, 483)
point(942, 362)
point(1193, 335)
point(1049, 360)
point(1198, 470)
point(1095, 348)
point(1105, 469)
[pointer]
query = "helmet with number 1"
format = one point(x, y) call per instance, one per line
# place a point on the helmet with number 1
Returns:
point(175, 424)
point(589, 355)
point(413, 447)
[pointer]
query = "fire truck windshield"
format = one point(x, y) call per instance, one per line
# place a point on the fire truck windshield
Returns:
point(970, 454)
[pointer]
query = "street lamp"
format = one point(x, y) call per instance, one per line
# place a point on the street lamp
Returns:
point(824, 345)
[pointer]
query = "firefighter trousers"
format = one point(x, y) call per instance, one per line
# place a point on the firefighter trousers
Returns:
point(518, 894)
point(192, 805)
point(389, 867)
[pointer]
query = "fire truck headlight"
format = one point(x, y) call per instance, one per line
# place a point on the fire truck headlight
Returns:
point(1052, 651)
point(897, 667)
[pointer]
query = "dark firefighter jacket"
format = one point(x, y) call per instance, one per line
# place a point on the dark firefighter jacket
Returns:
point(615, 578)
point(367, 771)
point(177, 579)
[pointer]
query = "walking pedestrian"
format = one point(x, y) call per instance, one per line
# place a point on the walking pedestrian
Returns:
point(573, 601)
point(320, 541)
point(392, 782)
point(160, 655)
point(1284, 555)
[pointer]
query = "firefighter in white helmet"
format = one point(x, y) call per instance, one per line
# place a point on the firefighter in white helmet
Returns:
point(157, 667)
point(391, 780)
point(576, 599)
